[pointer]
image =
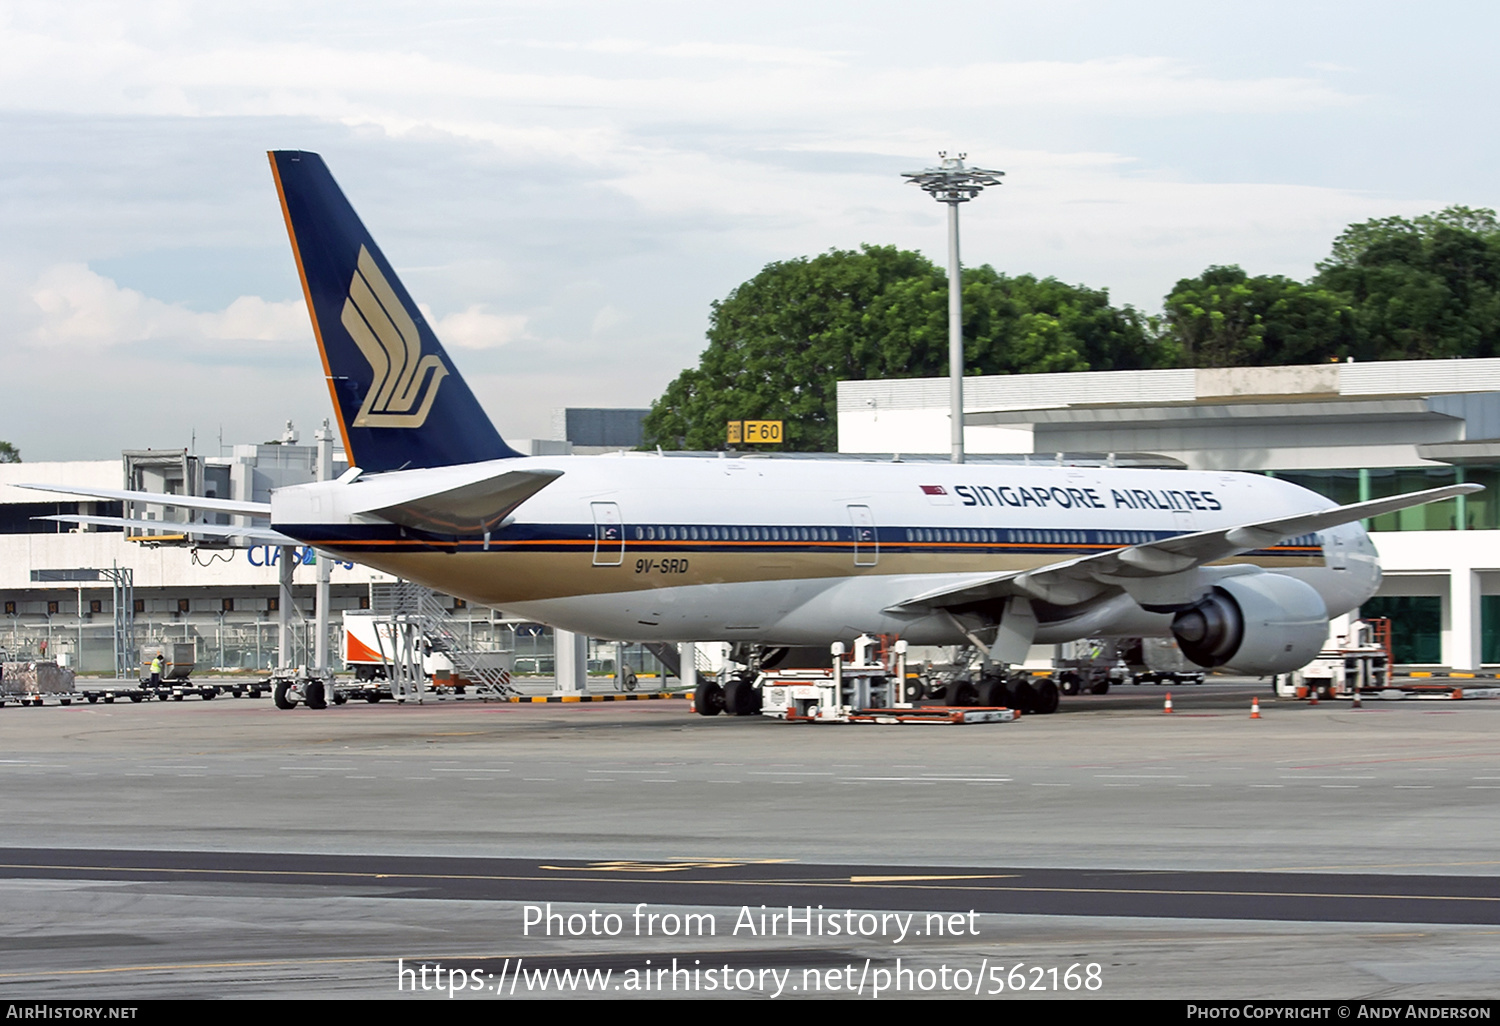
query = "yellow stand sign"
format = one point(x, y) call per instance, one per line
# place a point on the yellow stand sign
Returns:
point(755, 432)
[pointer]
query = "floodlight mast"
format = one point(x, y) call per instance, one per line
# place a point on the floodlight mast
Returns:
point(953, 183)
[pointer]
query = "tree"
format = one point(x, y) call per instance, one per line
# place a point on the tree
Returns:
point(1225, 318)
point(9, 453)
point(780, 343)
point(1423, 288)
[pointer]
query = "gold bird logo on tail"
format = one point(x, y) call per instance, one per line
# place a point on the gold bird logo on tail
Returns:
point(388, 338)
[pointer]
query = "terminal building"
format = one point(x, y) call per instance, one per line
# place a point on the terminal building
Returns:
point(61, 585)
point(1350, 431)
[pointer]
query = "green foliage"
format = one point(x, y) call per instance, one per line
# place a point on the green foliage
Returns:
point(9, 453)
point(1392, 288)
point(780, 343)
point(1225, 318)
point(1423, 288)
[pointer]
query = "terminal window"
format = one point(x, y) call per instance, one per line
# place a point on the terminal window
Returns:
point(1416, 626)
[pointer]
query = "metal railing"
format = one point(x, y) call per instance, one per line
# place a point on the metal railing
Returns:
point(406, 602)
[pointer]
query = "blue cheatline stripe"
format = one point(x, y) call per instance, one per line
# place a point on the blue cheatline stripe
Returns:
point(572, 537)
point(705, 538)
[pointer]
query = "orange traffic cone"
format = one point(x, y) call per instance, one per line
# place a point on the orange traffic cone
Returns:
point(1168, 707)
point(1255, 708)
point(1312, 696)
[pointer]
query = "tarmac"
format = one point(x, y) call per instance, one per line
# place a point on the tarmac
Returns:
point(228, 849)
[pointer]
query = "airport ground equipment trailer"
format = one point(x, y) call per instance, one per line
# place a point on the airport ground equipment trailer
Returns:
point(872, 686)
point(33, 682)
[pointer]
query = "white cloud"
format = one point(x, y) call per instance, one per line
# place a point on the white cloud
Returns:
point(476, 328)
point(607, 319)
point(76, 308)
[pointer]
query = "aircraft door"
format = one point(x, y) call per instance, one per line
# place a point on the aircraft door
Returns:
point(866, 541)
point(1335, 549)
point(609, 534)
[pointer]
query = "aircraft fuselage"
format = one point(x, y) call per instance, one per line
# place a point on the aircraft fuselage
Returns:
point(791, 551)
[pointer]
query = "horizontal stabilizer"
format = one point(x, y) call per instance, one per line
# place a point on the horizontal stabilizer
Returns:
point(1078, 580)
point(244, 509)
point(476, 508)
point(260, 534)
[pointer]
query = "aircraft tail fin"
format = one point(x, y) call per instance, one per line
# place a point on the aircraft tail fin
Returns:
point(400, 401)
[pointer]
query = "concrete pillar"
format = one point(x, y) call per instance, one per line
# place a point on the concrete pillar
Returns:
point(570, 657)
point(687, 653)
point(325, 565)
point(286, 564)
point(1462, 639)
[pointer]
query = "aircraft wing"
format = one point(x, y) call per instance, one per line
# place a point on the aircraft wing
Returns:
point(244, 509)
point(1078, 580)
point(260, 534)
point(468, 509)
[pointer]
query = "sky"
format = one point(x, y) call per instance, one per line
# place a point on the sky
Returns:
point(567, 187)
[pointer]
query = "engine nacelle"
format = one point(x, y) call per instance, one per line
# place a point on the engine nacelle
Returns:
point(1257, 624)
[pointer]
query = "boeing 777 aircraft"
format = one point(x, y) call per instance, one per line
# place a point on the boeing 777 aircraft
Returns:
point(1243, 570)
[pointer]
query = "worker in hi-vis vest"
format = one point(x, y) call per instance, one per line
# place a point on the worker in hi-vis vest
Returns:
point(156, 669)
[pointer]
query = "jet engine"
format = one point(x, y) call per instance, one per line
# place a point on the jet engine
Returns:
point(1256, 624)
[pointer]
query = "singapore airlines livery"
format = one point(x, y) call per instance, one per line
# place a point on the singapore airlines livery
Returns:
point(1244, 570)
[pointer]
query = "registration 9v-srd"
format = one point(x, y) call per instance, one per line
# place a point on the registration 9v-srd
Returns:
point(791, 921)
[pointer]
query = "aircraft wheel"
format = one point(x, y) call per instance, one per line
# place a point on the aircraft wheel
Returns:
point(1023, 696)
point(708, 699)
point(960, 692)
point(1100, 687)
point(1046, 700)
point(992, 692)
point(739, 698)
point(279, 696)
point(314, 695)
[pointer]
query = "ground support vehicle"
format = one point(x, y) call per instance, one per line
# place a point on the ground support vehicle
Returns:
point(868, 688)
point(245, 688)
point(33, 682)
point(1360, 663)
point(1097, 664)
point(1093, 665)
